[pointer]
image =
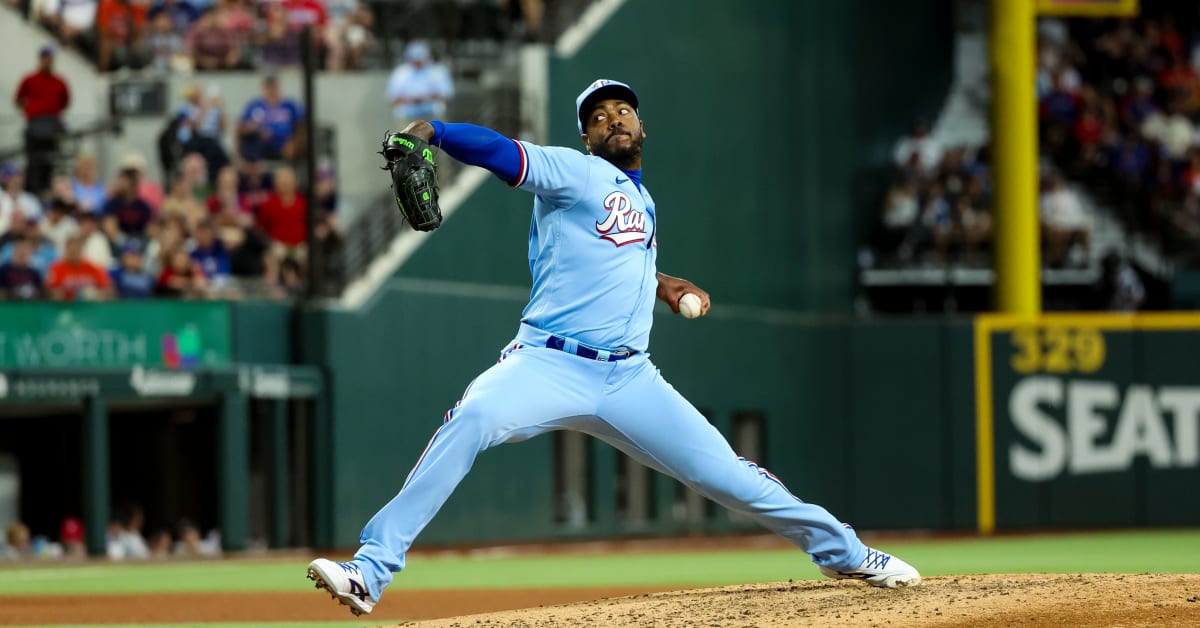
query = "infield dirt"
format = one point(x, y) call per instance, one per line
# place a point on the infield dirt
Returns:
point(1027, 600)
point(992, 600)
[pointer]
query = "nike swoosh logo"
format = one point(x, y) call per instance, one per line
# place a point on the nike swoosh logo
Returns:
point(620, 180)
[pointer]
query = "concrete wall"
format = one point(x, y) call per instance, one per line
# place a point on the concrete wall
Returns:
point(353, 103)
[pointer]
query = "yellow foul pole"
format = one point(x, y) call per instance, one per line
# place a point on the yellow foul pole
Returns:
point(1014, 157)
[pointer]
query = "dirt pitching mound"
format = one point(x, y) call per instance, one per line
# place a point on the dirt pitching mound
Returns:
point(993, 600)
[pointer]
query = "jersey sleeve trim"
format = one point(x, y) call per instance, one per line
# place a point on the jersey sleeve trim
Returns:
point(524, 170)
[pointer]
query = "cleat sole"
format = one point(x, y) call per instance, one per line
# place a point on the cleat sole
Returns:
point(321, 584)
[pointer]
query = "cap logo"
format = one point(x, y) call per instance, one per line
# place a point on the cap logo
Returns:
point(600, 83)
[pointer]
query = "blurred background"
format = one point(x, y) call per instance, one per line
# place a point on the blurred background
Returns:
point(953, 236)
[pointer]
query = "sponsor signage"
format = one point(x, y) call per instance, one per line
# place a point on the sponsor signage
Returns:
point(171, 335)
point(1087, 419)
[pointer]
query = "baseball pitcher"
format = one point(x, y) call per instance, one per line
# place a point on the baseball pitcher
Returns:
point(579, 360)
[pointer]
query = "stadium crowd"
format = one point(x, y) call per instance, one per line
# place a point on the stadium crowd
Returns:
point(123, 540)
point(225, 222)
point(1119, 113)
point(212, 217)
point(205, 35)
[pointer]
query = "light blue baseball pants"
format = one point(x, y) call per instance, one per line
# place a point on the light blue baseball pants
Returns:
point(628, 404)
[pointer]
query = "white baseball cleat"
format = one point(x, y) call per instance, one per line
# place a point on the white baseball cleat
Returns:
point(879, 569)
point(344, 582)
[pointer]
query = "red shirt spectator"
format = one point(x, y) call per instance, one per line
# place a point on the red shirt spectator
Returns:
point(43, 93)
point(301, 13)
point(73, 277)
point(1089, 129)
point(283, 215)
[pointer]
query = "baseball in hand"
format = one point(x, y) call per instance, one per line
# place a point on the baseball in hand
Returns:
point(689, 305)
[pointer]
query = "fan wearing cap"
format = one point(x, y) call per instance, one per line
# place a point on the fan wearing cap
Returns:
point(419, 87)
point(269, 125)
point(16, 203)
point(580, 360)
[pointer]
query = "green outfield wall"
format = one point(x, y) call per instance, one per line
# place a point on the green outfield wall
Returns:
point(768, 125)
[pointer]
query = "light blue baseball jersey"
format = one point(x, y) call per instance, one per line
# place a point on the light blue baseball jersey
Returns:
point(592, 249)
point(592, 254)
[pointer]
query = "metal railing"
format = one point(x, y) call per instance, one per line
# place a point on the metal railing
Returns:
point(378, 224)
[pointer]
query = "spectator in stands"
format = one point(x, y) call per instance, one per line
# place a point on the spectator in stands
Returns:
point(918, 148)
point(97, 248)
point(974, 225)
point(130, 278)
point(16, 204)
point(86, 186)
point(42, 96)
point(255, 184)
point(44, 250)
point(59, 222)
point(1138, 105)
point(234, 17)
point(937, 221)
point(212, 47)
point(1121, 288)
point(166, 46)
point(1089, 130)
point(420, 87)
point(18, 545)
point(134, 165)
point(125, 213)
point(1181, 81)
point(160, 544)
point(18, 279)
point(194, 172)
point(312, 14)
point(60, 189)
point(125, 534)
point(278, 45)
point(180, 277)
point(210, 255)
point(900, 213)
point(121, 28)
point(291, 279)
point(182, 204)
point(74, 278)
point(247, 250)
point(192, 545)
point(1172, 129)
point(71, 536)
point(71, 20)
point(271, 126)
point(202, 125)
point(326, 193)
point(225, 204)
point(181, 14)
point(283, 217)
point(352, 35)
point(1066, 227)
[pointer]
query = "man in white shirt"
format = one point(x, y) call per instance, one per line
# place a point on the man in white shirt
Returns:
point(1064, 223)
point(15, 202)
point(70, 19)
point(419, 87)
point(919, 147)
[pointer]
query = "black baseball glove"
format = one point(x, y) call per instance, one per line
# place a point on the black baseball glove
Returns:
point(414, 179)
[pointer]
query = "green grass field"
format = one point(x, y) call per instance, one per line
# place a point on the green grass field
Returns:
point(1175, 551)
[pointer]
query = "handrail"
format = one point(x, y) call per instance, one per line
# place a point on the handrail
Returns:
point(104, 125)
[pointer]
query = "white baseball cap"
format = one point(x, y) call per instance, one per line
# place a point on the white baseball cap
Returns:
point(600, 89)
